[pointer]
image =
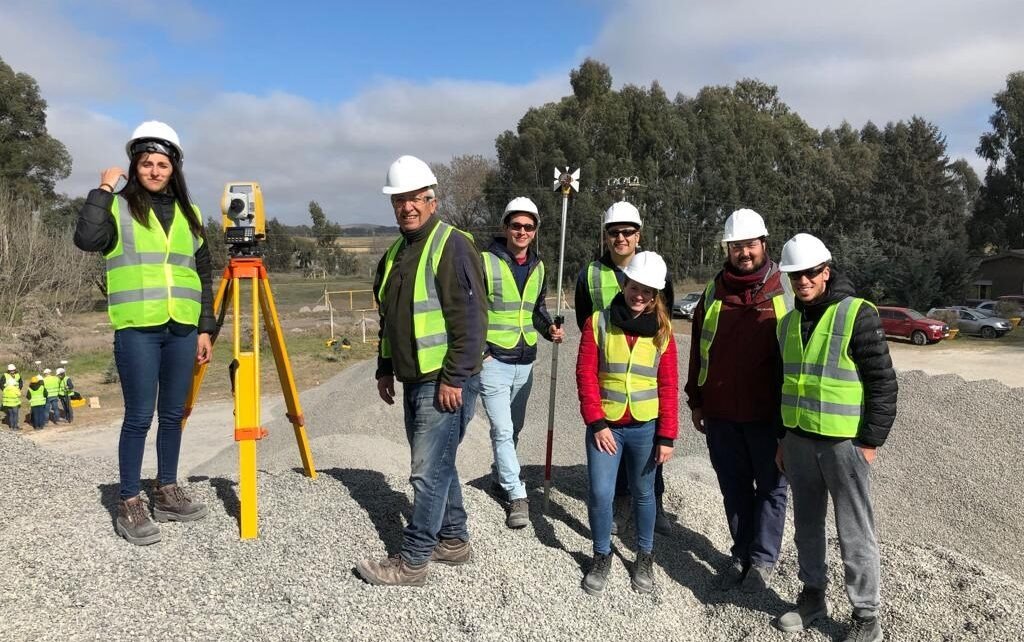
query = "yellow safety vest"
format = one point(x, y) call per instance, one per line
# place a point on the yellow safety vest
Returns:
point(151, 275)
point(821, 390)
point(429, 327)
point(52, 385)
point(603, 285)
point(12, 392)
point(63, 390)
point(510, 314)
point(782, 302)
point(36, 396)
point(628, 377)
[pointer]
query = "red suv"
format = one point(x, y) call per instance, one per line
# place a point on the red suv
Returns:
point(911, 324)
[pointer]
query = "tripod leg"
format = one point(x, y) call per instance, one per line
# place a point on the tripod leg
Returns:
point(247, 406)
point(199, 370)
point(284, 373)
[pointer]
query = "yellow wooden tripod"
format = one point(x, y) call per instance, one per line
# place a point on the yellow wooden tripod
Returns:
point(245, 380)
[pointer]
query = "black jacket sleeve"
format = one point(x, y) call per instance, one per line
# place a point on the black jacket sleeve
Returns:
point(95, 230)
point(204, 267)
point(460, 278)
point(584, 306)
point(870, 353)
point(384, 366)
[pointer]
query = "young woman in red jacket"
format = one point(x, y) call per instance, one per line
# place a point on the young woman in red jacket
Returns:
point(627, 379)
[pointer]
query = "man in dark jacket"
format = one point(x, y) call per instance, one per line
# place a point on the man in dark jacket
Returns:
point(733, 391)
point(838, 404)
point(433, 320)
point(516, 315)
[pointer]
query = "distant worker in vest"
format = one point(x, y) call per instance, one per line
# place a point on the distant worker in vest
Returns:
point(430, 290)
point(64, 389)
point(37, 402)
point(838, 404)
point(733, 390)
point(628, 384)
point(596, 286)
point(516, 315)
point(52, 385)
point(12, 386)
point(160, 303)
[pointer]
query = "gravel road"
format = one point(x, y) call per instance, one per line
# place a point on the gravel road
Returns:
point(946, 500)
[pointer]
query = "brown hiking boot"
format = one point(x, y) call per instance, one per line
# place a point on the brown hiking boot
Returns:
point(453, 552)
point(171, 504)
point(392, 571)
point(133, 522)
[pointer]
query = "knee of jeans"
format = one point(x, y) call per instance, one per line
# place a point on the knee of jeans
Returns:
point(137, 419)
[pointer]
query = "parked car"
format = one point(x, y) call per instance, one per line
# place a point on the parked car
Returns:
point(975, 322)
point(908, 323)
point(987, 306)
point(684, 307)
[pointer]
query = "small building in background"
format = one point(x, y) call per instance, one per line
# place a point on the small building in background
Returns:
point(999, 275)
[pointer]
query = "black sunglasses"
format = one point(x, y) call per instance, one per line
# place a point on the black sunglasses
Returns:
point(522, 227)
point(625, 232)
point(811, 273)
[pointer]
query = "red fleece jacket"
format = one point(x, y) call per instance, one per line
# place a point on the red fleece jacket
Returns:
point(667, 425)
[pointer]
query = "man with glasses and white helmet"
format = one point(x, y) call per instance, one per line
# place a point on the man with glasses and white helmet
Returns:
point(733, 388)
point(596, 286)
point(516, 315)
point(838, 404)
point(433, 320)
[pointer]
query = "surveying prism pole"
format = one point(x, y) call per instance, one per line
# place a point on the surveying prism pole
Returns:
point(243, 202)
point(567, 183)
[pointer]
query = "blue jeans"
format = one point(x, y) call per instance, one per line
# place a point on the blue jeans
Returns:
point(53, 408)
point(753, 489)
point(505, 389)
point(38, 417)
point(12, 416)
point(635, 444)
point(434, 437)
point(155, 367)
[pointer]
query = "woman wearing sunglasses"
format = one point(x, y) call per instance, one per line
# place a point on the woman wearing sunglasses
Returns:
point(160, 303)
point(627, 378)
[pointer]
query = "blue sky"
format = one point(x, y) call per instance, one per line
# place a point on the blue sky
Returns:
point(314, 99)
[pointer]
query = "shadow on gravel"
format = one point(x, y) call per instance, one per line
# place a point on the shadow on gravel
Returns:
point(110, 494)
point(383, 505)
point(226, 492)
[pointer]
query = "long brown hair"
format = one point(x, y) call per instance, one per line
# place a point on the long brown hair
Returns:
point(140, 202)
point(660, 309)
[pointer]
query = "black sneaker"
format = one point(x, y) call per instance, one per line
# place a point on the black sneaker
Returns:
point(597, 578)
point(731, 576)
point(759, 578)
point(518, 513)
point(643, 573)
point(810, 606)
point(865, 629)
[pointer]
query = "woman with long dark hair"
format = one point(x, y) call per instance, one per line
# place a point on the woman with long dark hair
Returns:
point(627, 378)
point(160, 303)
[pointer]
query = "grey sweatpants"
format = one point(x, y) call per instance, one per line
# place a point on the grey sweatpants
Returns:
point(817, 468)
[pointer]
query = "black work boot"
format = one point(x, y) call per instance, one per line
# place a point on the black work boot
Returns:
point(810, 605)
point(662, 524)
point(392, 571)
point(172, 504)
point(597, 578)
point(643, 573)
point(133, 522)
point(865, 629)
point(518, 513)
point(731, 576)
point(759, 578)
point(453, 552)
point(622, 511)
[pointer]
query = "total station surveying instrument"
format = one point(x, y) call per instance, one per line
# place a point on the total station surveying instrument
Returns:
point(244, 229)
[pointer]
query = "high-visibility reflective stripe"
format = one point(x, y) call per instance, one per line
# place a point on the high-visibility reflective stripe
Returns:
point(151, 294)
point(613, 395)
point(647, 371)
point(599, 279)
point(596, 291)
point(494, 274)
point(818, 370)
point(643, 395)
point(152, 258)
point(432, 341)
point(828, 407)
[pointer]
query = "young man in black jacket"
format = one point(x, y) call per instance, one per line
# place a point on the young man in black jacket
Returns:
point(838, 404)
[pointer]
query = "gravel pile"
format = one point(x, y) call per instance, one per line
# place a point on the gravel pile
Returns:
point(944, 485)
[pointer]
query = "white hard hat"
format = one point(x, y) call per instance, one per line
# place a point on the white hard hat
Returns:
point(743, 225)
point(803, 252)
point(154, 136)
point(521, 205)
point(61, 371)
point(647, 268)
point(623, 212)
point(47, 371)
point(11, 367)
point(408, 174)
